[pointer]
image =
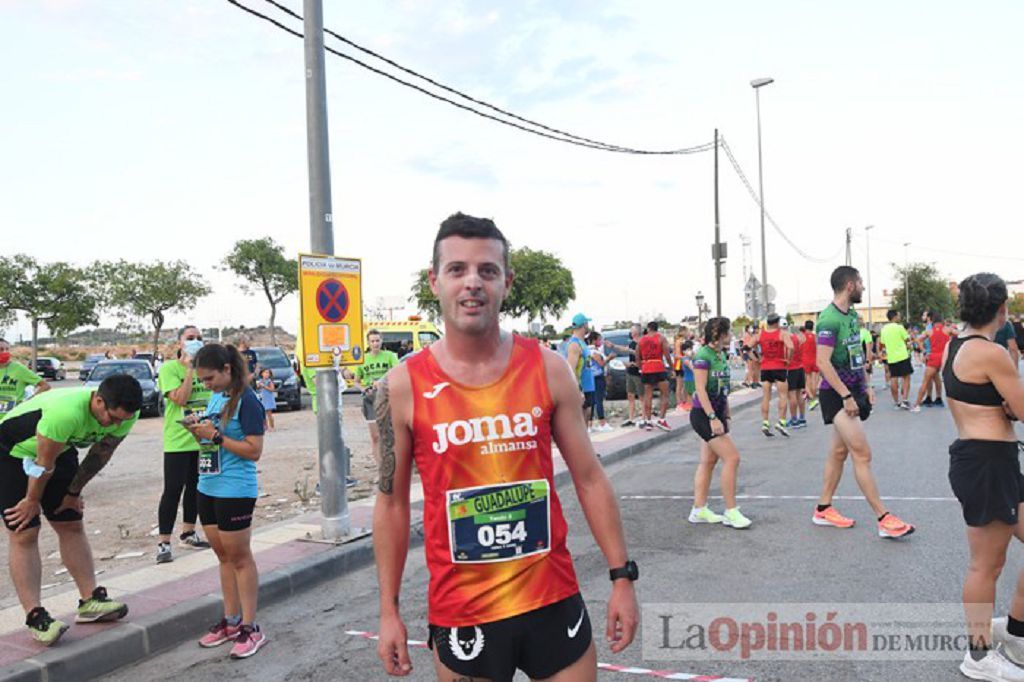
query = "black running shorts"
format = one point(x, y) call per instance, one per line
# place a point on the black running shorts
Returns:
point(985, 476)
point(774, 375)
point(832, 404)
point(903, 368)
point(796, 379)
point(14, 485)
point(702, 425)
point(540, 643)
point(227, 513)
point(654, 378)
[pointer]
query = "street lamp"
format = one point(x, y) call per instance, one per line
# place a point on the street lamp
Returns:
point(700, 309)
point(757, 84)
point(906, 277)
point(867, 246)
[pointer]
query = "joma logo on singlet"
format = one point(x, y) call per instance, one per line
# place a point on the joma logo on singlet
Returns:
point(500, 427)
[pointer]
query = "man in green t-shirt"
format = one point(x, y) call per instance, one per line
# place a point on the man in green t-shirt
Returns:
point(1007, 338)
point(40, 473)
point(14, 378)
point(183, 392)
point(896, 341)
point(376, 363)
point(846, 396)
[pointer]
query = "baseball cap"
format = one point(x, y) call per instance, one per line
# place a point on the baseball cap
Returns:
point(579, 319)
point(773, 318)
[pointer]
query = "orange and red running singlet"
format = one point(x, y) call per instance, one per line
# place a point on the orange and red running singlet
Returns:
point(773, 349)
point(495, 534)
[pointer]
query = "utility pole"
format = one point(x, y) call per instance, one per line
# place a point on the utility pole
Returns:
point(849, 256)
point(717, 248)
point(331, 446)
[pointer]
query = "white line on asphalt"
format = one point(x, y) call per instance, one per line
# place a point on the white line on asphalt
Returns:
point(789, 497)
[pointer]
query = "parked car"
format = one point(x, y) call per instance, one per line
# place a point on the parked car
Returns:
point(51, 368)
point(152, 399)
point(274, 359)
point(615, 370)
point(148, 357)
point(88, 364)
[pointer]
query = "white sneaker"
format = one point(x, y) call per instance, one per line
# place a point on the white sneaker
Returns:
point(994, 668)
point(915, 409)
point(1012, 646)
point(605, 428)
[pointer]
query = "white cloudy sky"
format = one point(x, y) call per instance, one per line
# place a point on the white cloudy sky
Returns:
point(142, 130)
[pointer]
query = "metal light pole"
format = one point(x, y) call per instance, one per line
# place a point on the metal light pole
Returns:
point(757, 84)
point(906, 277)
point(333, 464)
point(700, 309)
point(867, 246)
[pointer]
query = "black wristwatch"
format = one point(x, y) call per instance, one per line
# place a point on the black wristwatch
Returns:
point(218, 438)
point(630, 571)
point(847, 397)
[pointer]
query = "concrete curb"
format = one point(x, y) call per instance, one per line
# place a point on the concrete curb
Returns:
point(126, 643)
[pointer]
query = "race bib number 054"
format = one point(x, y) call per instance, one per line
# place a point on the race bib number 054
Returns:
point(499, 522)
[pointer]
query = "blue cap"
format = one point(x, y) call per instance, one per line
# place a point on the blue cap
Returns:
point(579, 319)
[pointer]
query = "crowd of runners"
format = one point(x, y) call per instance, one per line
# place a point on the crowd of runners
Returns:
point(478, 416)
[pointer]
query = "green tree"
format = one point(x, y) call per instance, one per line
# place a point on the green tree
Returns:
point(1016, 304)
point(136, 291)
point(929, 290)
point(543, 287)
point(261, 263)
point(56, 295)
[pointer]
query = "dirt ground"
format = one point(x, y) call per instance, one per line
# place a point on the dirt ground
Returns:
point(121, 502)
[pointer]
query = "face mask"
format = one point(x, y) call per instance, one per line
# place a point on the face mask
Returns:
point(5, 358)
point(192, 346)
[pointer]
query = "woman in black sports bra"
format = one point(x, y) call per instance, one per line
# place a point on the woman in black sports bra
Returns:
point(984, 391)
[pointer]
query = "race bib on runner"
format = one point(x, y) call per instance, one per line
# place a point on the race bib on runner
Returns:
point(499, 522)
point(856, 352)
point(6, 406)
point(209, 458)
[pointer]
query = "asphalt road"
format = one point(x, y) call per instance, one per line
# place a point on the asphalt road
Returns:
point(783, 558)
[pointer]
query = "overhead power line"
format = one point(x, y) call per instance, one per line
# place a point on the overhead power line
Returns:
point(536, 129)
point(914, 246)
point(757, 200)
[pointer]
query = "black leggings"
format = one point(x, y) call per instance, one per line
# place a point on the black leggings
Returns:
point(181, 473)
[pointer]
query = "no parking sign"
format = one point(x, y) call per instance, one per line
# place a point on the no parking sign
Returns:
point(331, 305)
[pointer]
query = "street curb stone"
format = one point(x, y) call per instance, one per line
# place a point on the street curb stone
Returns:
point(131, 642)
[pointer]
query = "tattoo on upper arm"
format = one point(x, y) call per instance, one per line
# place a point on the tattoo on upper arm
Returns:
point(386, 426)
point(99, 454)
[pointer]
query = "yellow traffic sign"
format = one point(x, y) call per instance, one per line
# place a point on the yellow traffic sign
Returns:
point(331, 310)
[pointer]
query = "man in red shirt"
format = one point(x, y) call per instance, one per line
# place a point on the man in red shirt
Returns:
point(809, 350)
point(776, 348)
point(655, 358)
point(477, 412)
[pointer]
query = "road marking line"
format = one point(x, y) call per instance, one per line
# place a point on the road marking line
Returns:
point(859, 498)
point(624, 669)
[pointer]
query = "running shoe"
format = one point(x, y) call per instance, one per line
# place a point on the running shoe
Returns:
point(663, 425)
point(735, 519)
point(704, 515)
point(938, 403)
point(766, 429)
point(994, 667)
point(927, 402)
point(904, 405)
point(219, 633)
point(1011, 645)
point(163, 553)
point(605, 428)
point(648, 426)
point(803, 422)
point(250, 639)
point(831, 517)
point(813, 405)
point(781, 428)
point(629, 422)
point(44, 628)
point(893, 527)
point(99, 608)
point(915, 409)
point(191, 540)
point(349, 483)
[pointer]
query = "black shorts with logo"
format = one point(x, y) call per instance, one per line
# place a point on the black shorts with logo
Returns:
point(227, 513)
point(903, 368)
point(986, 479)
point(654, 378)
point(796, 379)
point(702, 425)
point(14, 485)
point(540, 643)
point(832, 404)
point(774, 375)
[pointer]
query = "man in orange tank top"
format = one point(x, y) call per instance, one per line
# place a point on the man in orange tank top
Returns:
point(477, 413)
point(776, 348)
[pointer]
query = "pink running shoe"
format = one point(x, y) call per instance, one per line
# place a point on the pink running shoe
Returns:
point(218, 634)
point(250, 640)
point(663, 425)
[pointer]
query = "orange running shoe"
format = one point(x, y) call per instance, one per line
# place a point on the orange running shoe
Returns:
point(831, 517)
point(893, 527)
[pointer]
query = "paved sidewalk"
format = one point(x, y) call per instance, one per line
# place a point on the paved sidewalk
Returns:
point(173, 602)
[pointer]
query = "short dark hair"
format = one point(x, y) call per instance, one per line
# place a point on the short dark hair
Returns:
point(934, 316)
point(652, 326)
point(809, 325)
point(374, 332)
point(468, 227)
point(842, 276)
point(181, 332)
point(891, 315)
point(980, 298)
point(121, 391)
